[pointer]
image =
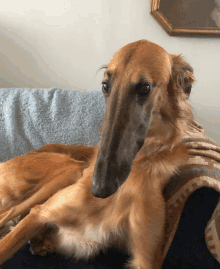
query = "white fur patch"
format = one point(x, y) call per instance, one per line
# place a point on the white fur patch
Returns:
point(84, 243)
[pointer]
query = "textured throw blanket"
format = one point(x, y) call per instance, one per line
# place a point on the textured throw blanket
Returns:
point(202, 170)
point(30, 118)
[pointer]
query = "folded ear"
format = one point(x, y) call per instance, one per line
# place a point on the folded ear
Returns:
point(182, 73)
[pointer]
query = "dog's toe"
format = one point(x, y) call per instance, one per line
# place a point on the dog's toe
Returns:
point(41, 251)
point(40, 247)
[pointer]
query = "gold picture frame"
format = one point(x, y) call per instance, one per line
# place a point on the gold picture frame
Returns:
point(188, 17)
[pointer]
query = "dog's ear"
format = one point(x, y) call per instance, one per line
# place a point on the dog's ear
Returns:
point(182, 74)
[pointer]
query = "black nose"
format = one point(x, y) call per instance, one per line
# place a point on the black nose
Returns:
point(103, 191)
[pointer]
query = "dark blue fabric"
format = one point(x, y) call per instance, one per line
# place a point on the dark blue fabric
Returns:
point(188, 249)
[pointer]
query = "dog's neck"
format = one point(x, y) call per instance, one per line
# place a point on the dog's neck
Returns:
point(160, 166)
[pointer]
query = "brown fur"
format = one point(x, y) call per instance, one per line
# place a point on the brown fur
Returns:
point(72, 221)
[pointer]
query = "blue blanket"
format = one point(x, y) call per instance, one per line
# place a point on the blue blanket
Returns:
point(30, 118)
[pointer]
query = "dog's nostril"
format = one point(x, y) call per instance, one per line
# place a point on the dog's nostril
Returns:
point(94, 190)
point(97, 192)
point(100, 194)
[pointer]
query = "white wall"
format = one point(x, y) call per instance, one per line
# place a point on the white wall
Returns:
point(49, 43)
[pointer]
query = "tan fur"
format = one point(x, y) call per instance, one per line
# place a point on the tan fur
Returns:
point(80, 224)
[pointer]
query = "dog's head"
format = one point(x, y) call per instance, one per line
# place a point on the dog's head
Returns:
point(146, 91)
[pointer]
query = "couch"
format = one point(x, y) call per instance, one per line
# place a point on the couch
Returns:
point(30, 118)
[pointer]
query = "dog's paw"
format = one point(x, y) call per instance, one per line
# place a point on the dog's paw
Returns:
point(40, 247)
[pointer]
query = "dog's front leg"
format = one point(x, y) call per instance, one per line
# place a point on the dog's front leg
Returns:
point(147, 229)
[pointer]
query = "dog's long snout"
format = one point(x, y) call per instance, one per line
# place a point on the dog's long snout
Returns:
point(122, 138)
point(113, 166)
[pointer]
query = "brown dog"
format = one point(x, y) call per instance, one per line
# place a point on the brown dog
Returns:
point(146, 91)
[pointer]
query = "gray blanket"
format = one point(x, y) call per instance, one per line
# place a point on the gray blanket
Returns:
point(30, 118)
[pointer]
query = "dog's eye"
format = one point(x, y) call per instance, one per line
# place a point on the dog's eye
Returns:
point(144, 89)
point(105, 87)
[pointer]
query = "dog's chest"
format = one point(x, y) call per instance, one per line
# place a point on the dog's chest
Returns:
point(84, 242)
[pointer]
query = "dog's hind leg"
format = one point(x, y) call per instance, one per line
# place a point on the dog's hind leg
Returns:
point(77, 152)
point(59, 180)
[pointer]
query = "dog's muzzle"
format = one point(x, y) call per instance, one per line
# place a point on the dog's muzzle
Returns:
point(100, 191)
